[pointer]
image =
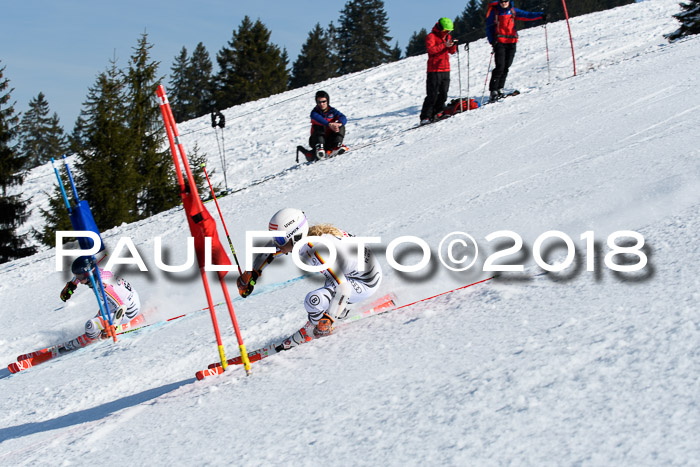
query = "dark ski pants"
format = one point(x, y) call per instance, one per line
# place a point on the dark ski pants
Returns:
point(436, 86)
point(503, 55)
point(326, 137)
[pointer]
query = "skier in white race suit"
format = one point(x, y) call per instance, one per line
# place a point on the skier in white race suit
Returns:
point(345, 283)
point(123, 301)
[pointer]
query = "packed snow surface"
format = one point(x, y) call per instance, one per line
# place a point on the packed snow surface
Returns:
point(574, 367)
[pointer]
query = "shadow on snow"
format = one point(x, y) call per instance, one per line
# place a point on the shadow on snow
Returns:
point(89, 415)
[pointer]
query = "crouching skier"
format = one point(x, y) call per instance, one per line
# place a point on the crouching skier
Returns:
point(123, 302)
point(346, 281)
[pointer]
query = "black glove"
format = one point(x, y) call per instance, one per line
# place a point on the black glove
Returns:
point(246, 282)
point(68, 290)
point(544, 17)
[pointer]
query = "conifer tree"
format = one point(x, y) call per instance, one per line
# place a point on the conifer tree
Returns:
point(250, 67)
point(55, 217)
point(333, 48)
point(199, 82)
point(190, 87)
point(362, 36)
point(470, 25)
point(177, 86)
point(555, 9)
point(13, 210)
point(689, 18)
point(396, 52)
point(416, 44)
point(315, 62)
point(41, 136)
point(77, 139)
point(108, 175)
point(156, 184)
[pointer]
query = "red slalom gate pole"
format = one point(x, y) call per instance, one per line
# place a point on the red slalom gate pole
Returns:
point(571, 40)
point(202, 226)
point(546, 42)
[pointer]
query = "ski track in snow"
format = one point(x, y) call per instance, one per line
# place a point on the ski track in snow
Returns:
point(577, 367)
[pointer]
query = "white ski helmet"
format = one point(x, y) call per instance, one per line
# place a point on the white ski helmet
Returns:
point(292, 225)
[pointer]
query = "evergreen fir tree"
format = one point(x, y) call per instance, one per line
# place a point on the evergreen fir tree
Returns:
point(12, 207)
point(199, 82)
point(333, 47)
point(555, 9)
point(41, 136)
point(190, 87)
point(362, 36)
point(177, 86)
point(315, 62)
point(689, 19)
point(251, 67)
point(55, 217)
point(470, 25)
point(156, 184)
point(416, 44)
point(108, 175)
point(77, 139)
point(396, 53)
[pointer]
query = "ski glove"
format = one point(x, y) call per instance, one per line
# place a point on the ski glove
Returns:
point(246, 282)
point(544, 17)
point(68, 290)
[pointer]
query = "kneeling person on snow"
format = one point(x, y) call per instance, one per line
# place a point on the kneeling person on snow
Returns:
point(351, 279)
point(123, 301)
point(327, 128)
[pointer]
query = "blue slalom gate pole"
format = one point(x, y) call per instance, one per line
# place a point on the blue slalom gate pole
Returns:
point(81, 219)
point(60, 185)
point(70, 177)
point(105, 315)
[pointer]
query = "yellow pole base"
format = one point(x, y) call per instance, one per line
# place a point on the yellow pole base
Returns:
point(224, 363)
point(245, 359)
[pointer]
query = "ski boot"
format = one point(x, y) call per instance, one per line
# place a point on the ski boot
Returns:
point(320, 153)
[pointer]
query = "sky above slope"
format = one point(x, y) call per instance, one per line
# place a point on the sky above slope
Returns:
point(59, 47)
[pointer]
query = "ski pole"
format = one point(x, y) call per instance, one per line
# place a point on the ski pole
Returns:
point(487, 78)
point(546, 42)
point(230, 243)
point(468, 98)
point(223, 159)
point(459, 77)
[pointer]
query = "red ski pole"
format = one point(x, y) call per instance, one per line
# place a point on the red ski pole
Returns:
point(230, 243)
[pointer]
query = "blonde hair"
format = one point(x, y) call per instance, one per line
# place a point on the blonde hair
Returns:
point(320, 229)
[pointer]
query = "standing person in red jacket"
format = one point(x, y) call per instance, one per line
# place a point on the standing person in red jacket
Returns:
point(501, 33)
point(439, 44)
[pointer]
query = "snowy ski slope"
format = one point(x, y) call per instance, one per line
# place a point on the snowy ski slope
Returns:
point(578, 367)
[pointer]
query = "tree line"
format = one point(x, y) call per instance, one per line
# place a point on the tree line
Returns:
point(123, 167)
point(250, 67)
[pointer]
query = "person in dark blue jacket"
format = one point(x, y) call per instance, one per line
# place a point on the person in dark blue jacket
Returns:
point(327, 128)
point(500, 31)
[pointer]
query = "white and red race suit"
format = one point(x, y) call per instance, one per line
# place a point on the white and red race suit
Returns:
point(119, 292)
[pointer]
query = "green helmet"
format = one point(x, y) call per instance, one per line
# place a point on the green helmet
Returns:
point(446, 24)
